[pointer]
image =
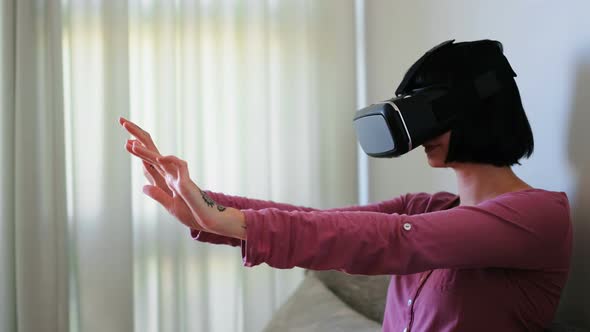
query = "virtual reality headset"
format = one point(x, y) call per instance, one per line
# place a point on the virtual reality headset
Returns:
point(396, 126)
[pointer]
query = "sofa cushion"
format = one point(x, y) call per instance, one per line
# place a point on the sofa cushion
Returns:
point(313, 307)
point(365, 294)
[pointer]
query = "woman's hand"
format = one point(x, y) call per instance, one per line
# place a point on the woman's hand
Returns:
point(211, 216)
point(173, 188)
point(158, 190)
point(203, 208)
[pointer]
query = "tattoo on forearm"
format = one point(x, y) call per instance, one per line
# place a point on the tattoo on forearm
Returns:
point(207, 199)
point(211, 203)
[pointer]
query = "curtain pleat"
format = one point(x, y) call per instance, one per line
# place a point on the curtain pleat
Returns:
point(7, 221)
point(100, 211)
point(34, 224)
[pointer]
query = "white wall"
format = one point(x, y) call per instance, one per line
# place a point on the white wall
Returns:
point(548, 45)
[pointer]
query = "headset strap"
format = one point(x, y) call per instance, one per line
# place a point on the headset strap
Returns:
point(411, 73)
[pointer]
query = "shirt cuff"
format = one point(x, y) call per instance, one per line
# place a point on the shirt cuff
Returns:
point(212, 238)
point(256, 249)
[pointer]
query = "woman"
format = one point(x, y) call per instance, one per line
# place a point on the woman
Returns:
point(495, 257)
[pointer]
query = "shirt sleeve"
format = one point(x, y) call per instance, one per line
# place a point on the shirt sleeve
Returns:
point(520, 231)
point(395, 205)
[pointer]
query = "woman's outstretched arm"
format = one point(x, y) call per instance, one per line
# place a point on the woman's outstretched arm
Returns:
point(395, 205)
point(524, 230)
point(159, 191)
point(517, 230)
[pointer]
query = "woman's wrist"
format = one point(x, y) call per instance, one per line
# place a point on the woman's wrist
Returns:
point(232, 223)
point(216, 218)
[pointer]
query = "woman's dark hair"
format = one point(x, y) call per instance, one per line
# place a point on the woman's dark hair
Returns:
point(496, 130)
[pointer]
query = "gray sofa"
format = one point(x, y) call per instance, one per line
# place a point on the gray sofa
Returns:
point(335, 301)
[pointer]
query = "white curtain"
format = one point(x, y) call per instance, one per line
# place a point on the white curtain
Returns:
point(33, 222)
point(258, 96)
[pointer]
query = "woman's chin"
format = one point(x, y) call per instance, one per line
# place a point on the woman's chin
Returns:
point(435, 165)
point(435, 162)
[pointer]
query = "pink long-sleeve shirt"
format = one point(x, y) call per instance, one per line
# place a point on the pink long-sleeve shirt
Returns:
point(497, 266)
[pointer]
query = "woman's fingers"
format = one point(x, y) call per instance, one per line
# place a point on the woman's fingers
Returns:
point(149, 177)
point(157, 177)
point(144, 153)
point(143, 158)
point(129, 148)
point(138, 152)
point(159, 195)
point(142, 135)
point(143, 147)
point(168, 159)
point(154, 170)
